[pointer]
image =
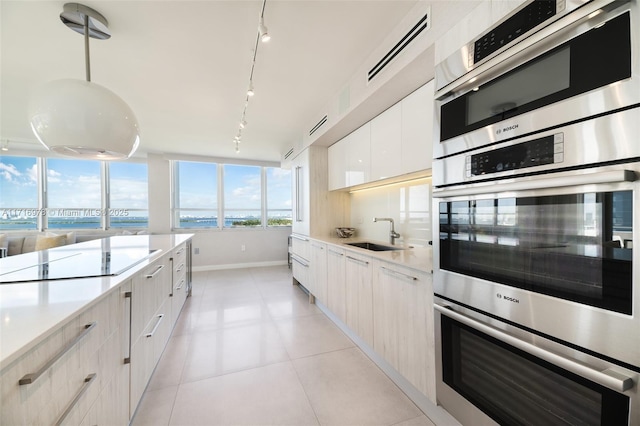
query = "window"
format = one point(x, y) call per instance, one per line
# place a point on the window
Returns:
point(39, 193)
point(242, 196)
point(196, 202)
point(74, 194)
point(278, 196)
point(19, 189)
point(128, 195)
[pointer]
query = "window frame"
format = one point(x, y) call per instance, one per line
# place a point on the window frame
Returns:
point(42, 218)
point(175, 198)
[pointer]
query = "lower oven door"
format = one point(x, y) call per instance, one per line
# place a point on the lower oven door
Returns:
point(490, 372)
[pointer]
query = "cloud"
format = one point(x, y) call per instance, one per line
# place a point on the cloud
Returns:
point(9, 171)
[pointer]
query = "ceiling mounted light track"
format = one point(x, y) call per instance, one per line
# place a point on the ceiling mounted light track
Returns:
point(263, 36)
point(79, 118)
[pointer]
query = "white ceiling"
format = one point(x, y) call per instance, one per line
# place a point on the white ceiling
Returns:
point(183, 66)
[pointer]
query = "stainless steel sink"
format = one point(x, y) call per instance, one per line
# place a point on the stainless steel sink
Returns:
point(374, 246)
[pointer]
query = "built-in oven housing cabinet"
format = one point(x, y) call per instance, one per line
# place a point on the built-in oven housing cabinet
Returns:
point(559, 78)
point(554, 255)
point(490, 372)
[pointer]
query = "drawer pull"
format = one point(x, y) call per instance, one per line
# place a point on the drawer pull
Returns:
point(181, 284)
point(179, 252)
point(412, 278)
point(87, 382)
point(180, 267)
point(297, 237)
point(336, 252)
point(158, 269)
point(299, 261)
point(156, 327)
point(32, 377)
point(364, 262)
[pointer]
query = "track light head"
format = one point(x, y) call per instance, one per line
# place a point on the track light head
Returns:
point(243, 124)
point(250, 91)
point(264, 34)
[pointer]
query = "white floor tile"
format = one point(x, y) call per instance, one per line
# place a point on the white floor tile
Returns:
point(311, 335)
point(232, 349)
point(346, 388)
point(269, 395)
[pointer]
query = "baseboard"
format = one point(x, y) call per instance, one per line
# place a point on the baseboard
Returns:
point(438, 415)
point(238, 266)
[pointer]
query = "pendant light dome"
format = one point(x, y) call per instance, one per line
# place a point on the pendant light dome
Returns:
point(79, 118)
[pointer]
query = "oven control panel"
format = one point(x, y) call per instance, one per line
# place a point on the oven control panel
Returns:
point(520, 23)
point(537, 152)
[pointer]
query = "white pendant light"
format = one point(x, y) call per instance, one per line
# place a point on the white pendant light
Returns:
point(80, 118)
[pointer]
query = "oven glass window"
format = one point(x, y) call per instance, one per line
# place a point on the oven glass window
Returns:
point(515, 388)
point(570, 69)
point(577, 247)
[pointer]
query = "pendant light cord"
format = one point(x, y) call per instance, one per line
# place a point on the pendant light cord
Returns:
point(86, 49)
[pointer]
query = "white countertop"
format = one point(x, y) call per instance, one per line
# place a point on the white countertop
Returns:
point(415, 257)
point(29, 311)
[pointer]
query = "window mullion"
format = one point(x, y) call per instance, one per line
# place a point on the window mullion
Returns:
point(221, 218)
point(41, 173)
point(105, 221)
point(263, 197)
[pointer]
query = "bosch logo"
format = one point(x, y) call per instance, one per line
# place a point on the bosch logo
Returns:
point(507, 298)
point(506, 129)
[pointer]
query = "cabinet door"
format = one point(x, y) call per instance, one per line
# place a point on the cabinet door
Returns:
point(417, 129)
point(359, 295)
point(338, 164)
point(336, 294)
point(403, 323)
point(358, 168)
point(386, 144)
point(318, 271)
point(301, 197)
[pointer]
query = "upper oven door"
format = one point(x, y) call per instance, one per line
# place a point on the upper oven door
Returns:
point(554, 254)
point(553, 77)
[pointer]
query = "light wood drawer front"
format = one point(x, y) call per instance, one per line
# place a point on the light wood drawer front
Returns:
point(300, 246)
point(86, 346)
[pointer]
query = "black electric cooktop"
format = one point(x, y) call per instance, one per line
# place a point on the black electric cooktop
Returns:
point(98, 258)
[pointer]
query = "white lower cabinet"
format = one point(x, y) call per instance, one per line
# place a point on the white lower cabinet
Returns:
point(336, 291)
point(403, 323)
point(150, 323)
point(318, 271)
point(60, 379)
point(359, 295)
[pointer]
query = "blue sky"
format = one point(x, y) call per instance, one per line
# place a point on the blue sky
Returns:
point(71, 183)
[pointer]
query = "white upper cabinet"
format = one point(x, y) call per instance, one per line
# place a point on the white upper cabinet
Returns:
point(396, 142)
point(338, 164)
point(386, 137)
point(359, 156)
point(417, 129)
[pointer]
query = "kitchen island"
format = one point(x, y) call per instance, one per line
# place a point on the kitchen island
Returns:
point(106, 306)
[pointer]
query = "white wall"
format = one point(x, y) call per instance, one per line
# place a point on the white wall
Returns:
point(408, 203)
point(223, 249)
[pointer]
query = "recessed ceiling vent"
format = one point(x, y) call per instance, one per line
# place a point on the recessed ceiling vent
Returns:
point(288, 154)
point(318, 125)
point(422, 25)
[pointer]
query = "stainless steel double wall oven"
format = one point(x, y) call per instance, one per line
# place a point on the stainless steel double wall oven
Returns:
point(537, 185)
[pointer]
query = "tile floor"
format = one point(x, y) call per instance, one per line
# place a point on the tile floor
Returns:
point(249, 349)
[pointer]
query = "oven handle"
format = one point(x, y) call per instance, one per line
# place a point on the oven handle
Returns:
point(608, 378)
point(540, 183)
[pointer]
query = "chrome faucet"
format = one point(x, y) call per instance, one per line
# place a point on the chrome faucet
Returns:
point(393, 234)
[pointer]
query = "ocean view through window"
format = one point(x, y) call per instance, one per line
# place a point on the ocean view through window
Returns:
point(52, 193)
point(243, 195)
